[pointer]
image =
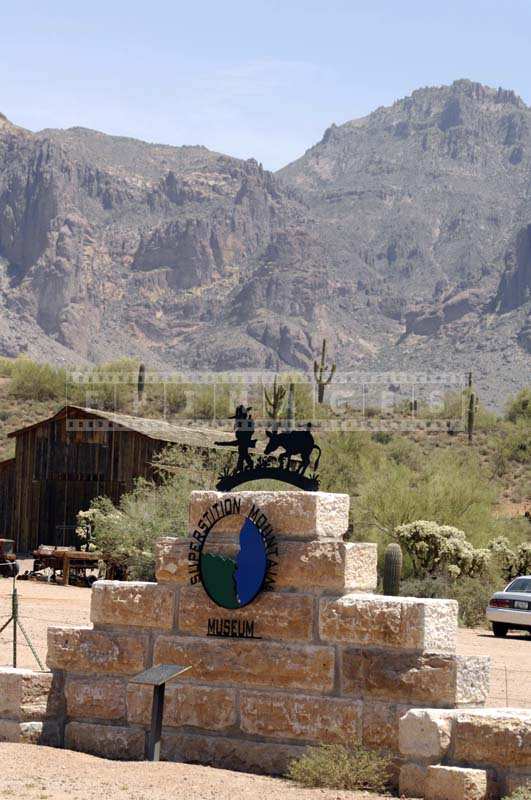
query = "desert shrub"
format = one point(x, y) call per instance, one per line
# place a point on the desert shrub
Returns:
point(520, 406)
point(517, 442)
point(31, 381)
point(125, 534)
point(449, 487)
point(110, 387)
point(335, 766)
point(382, 437)
point(404, 451)
point(440, 550)
point(472, 594)
point(511, 561)
point(522, 793)
point(6, 367)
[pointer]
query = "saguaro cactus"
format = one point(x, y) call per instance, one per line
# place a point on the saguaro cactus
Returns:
point(141, 382)
point(319, 370)
point(291, 407)
point(274, 400)
point(472, 408)
point(392, 569)
point(471, 416)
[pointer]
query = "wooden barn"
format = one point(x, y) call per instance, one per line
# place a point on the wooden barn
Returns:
point(63, 462)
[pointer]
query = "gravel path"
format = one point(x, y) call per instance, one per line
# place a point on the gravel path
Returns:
point(43, 604)
point(41, 773)
point(510, 672)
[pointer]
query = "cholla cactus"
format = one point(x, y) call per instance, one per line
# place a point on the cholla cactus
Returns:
point(319, 371)
point(441, 550)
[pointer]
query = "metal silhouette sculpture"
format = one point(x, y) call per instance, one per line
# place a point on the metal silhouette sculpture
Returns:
point(294, 443)
point(289, 467)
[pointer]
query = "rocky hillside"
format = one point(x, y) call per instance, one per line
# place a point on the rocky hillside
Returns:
point(425, 209)
point(404, 237)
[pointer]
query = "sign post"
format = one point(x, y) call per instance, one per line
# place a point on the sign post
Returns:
point(157, 677)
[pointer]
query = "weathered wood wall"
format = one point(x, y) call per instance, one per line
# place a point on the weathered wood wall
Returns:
point(58, 472)
point(7, 498)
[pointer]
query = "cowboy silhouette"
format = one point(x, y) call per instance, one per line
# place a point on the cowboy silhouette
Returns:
point(244, 432)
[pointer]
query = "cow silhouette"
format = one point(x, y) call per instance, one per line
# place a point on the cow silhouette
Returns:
point(293, 443)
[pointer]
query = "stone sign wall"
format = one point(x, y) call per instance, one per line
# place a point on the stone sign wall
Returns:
point(316, 658)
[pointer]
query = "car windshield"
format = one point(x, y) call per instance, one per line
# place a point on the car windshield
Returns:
point(520, 585)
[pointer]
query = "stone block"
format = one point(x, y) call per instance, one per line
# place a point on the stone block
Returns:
point(472, 680)
point(249, 663)
point(315, 567)
point(429, 625)
point(292, 515)
point(381, 725)
point(95, 698)
point(379, 621)
point(47, 732)
point(409, 678)
point(135, 603)
point(424, 735)
point(171, 560)
point(84, 650)
point(209, 708)
point(412, 780)
point(107, 741)
point(28, 695)
point(455, 783)
point(313, 719)
point(327, 566)
point(273, 615)
point(493, 737)
point(236, 754)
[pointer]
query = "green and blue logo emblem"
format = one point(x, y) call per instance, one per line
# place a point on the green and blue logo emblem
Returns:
point(233, 580)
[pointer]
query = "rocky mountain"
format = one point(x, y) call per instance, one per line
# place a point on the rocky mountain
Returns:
point(404, 237)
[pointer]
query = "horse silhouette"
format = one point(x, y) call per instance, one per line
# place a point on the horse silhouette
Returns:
point(293, 443)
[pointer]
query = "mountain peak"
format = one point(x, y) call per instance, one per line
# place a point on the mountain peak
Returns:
point(7, 126)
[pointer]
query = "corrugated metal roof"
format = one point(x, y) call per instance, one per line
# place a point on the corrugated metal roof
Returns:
point(153, 428)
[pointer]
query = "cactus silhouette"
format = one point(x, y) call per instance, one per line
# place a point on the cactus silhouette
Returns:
point(274, 400)
point(392, 572)
point(319, 370)
point(472, 408)
point(141, 382)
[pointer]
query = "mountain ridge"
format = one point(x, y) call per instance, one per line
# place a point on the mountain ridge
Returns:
point(403, 236)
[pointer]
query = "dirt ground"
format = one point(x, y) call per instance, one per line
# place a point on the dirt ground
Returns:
point(43, 604)
point(40, 773)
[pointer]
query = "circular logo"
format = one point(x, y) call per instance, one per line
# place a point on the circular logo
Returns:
point(233, 569)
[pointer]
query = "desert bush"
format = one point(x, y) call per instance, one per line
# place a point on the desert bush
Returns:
point(38, 382)
point(511, 561)
point(6, 366)
point(522, 793)
point(404, 451)
point(382, 437)
point(519, 408)
point(335, 766)
point(125, 534)
point(449, 487)
point(110, 387)
point(440, 550)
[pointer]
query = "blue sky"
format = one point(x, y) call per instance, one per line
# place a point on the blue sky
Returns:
point(259, 79)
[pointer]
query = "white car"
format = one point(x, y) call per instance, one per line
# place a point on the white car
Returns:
point(511, 609)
